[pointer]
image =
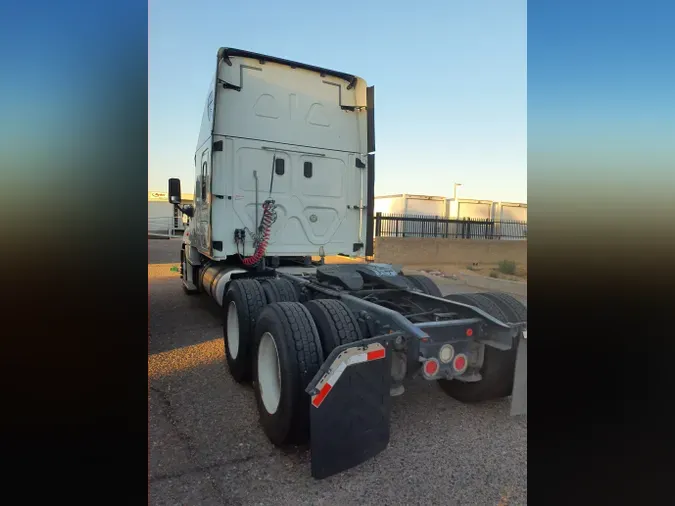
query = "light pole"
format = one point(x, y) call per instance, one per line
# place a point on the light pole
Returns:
point(454, 190)
point(454, 199)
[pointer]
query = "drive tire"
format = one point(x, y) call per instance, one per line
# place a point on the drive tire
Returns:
point(279, 290)
point(242, 304)
point(425, 284)
point(515, 310)
point(335, 323)
point(299, 356)
point(498, 365)
point(460, 297)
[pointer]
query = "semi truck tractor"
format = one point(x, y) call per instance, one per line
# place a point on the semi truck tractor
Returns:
point(284, 177)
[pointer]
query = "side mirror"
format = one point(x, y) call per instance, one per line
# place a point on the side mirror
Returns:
point(174, 191)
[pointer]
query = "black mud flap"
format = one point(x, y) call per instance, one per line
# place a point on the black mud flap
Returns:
point(350, 406)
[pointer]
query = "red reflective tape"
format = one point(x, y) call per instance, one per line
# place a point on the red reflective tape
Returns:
point(375, 355)
point(318, 399)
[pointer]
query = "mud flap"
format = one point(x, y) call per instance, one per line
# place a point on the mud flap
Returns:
point(350, 407)
point(519, 395)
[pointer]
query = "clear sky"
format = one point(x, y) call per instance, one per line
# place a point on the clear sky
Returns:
point(601, 105)
point(450, 82)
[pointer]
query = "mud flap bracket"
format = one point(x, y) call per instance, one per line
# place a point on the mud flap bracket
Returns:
point(519, 394)
point(350, 406)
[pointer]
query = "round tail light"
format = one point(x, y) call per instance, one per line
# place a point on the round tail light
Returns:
point(460, 364)
point(431, 367)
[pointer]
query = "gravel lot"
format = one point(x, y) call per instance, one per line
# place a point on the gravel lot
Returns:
point(207, 448)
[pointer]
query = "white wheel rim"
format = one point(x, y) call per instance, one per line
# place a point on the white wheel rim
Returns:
point(269, 373)
point(232, 330)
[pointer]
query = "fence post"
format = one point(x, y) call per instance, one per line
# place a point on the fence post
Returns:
point(378, 224)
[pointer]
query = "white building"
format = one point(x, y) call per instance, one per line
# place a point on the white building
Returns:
point(427, 205)
point(510, 211)
point(402, 203)
point(165, 218)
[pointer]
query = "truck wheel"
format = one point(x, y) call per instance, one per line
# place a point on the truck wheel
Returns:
point(335, 322)
point(243, 302)
point(488, 305)
point(515, 310)
point(288, 355)
point(425, 284)
point(279, 290)
point(498, 365)
point(184, 266)
point(460, 297)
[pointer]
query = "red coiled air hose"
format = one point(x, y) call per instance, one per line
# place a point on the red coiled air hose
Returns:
point(265, 225)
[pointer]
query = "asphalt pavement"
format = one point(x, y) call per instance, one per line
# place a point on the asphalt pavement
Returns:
point(207, 447)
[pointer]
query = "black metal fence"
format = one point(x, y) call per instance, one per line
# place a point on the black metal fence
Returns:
point(406, 225)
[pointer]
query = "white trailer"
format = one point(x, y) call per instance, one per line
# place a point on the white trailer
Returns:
point(470, 209)
point(510, 211)
point(419, 205)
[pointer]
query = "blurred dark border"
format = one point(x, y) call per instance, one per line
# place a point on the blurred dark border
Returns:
point(601, 249)
point(73, 149)
point(74, 272)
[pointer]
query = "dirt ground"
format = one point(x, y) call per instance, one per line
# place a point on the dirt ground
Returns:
point(207, 446)
point(163, 252)
point(482, 269)
point(490, 270)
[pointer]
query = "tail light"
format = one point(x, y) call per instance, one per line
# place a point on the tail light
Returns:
point(430, 367)
point(460, 363)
